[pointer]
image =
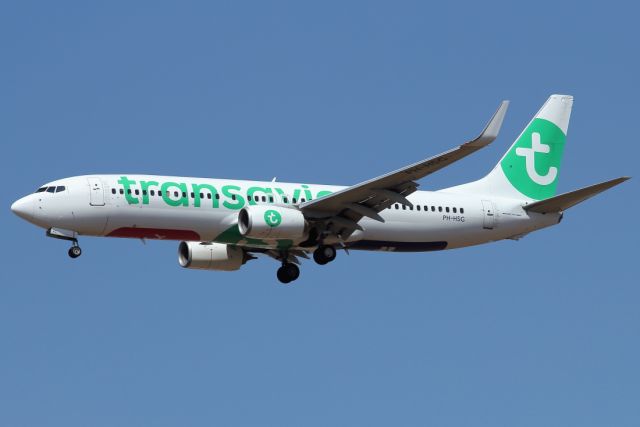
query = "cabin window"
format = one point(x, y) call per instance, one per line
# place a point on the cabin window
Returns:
point(417, 207)
point(284, 199)
point(455, 210)
point(233, 197)
point(121, 191)
point(217, 196)
point(256, 198)
point(113, 191)
point(303, 200)
point(447, 209)
point(208, 196)
point(193, 196)
point(137, 192)
point(439, 208)
point(175, 194)
point(293, 200)
point(144, 192)
point(270, 199)
point(184, 194)
point(159, 192)
point(404, 207)
point(152, 192)
point(461, 210)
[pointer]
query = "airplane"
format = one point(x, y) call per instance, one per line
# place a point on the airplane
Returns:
point(222, 224)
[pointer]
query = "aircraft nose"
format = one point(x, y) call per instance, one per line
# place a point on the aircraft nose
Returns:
point(23, 208)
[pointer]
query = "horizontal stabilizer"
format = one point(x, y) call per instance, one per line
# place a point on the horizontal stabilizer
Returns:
point(567, 200)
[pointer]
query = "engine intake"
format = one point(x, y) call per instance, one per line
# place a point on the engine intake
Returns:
point(210, 256)
point(271, 222)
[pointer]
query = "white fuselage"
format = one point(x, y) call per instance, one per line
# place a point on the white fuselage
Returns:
point(201, 209)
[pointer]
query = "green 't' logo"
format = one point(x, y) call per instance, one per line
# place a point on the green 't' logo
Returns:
point(533, 163)
point(272, 218)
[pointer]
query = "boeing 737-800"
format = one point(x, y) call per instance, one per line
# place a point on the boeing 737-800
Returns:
point(224, 223)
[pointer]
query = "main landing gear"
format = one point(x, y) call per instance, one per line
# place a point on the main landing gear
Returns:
point(289, 271)
point(324, 254)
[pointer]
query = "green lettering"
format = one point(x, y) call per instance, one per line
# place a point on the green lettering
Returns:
point(307, 192)
point(238, 203)
point(196, 196)
point(127, 183)
point(323, 193)
point(182, 201)
point(252, 190)
point(145, 190)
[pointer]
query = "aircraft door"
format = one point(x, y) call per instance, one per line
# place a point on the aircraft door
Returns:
point(489, 218)
point(96, 192)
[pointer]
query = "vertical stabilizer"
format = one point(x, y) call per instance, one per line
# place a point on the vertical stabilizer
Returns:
point(530, 169)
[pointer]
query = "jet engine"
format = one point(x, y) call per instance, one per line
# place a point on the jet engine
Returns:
point(210, 256)
point(271, 222)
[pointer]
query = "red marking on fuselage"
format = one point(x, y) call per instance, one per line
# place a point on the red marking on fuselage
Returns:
point(155, 233)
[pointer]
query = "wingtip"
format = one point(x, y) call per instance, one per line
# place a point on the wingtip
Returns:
point(491, 130)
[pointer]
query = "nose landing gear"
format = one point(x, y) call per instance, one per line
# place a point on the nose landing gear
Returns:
point(68, 235)
point(75, 251)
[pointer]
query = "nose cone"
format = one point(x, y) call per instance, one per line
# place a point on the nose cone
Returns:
point(23, 208)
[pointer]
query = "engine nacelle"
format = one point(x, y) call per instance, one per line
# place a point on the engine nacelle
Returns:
point(271, 222)
point(210, 256)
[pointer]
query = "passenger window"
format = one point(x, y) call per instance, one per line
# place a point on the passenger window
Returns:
point(113, 191)
point(264, 198)
point(426, 208)
point(461, 210)
point(455, 210)
point(233, 197)
point(175, 194)
point(293, 200)
point(128, 191)
point(418, 207)
point(284, 199)
point(217, 196)
point(256, 198)
point(202, 195)
point(208, 195)
point(184, 194)
point(439, 208)
point(121, 191)
point(137, 192)
point(159, 192)
point(153, 192)
point(410, 208)
point(303, 200)
point(144, 192)
point(270, 199)
point(447, 209)
point(404, 207)
point(193, 196)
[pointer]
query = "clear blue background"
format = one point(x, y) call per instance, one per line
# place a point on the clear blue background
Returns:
point(544, 331)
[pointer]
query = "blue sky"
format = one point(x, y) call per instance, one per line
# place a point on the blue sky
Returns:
point(543, 331)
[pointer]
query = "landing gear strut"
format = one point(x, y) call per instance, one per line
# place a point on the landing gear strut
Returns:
point(69, 236)
point(324, 254)
point(288, 272)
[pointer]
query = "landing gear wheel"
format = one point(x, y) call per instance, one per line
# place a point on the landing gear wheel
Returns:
point(324, 254)
point(288, 273)
point(75, 251)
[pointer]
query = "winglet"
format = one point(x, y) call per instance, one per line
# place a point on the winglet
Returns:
point(491, 130)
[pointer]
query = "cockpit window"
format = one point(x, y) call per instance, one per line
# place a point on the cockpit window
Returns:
point(51, 189)
point(60, 188)
point(41, 189)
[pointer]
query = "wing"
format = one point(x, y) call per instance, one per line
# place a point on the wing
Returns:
point(343, 209)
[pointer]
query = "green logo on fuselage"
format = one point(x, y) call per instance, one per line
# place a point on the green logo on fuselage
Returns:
point(272, 218)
